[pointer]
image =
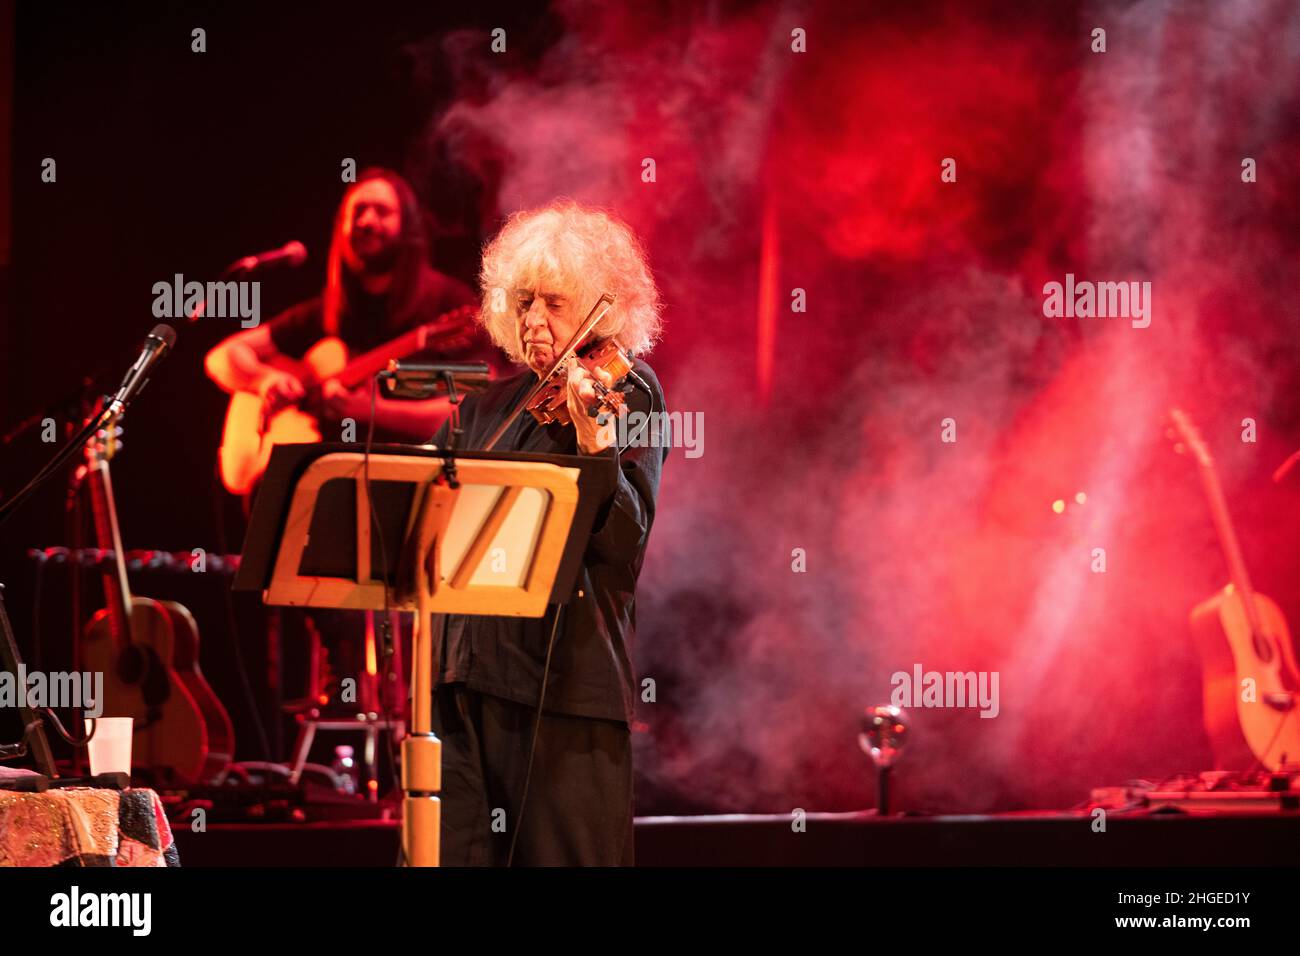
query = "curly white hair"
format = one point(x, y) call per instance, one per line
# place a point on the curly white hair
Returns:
point(575, 251)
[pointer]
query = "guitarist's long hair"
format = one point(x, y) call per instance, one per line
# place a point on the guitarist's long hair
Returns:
point(404, 293)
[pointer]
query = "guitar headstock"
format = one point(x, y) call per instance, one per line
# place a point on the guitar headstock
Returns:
point(106, 442)
point(1186, 430)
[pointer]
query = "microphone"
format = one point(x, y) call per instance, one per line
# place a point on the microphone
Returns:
point(290, 254)
point(418, 380)
point(158, 343)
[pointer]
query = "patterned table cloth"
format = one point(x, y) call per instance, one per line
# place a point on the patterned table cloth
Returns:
point(82, 827)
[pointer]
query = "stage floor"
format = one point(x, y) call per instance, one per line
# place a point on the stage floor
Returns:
point(1131, 838)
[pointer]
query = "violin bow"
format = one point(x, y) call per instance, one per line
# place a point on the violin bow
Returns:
point(598, 311)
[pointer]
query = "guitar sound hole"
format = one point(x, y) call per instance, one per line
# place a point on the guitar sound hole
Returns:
point(157, 685)
point(1263, 649)
point(131, 665)
point(142, 667)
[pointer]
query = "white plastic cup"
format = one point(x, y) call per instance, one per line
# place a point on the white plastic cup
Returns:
point(110, 748)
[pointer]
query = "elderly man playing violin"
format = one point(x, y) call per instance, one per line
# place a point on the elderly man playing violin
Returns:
point(554, 787)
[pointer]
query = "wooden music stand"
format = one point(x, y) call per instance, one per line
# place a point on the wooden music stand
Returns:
point(505, 539)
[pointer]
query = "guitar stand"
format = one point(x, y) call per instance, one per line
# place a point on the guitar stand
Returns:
point(370, 724)
point(99, 781)
point(33, 723)
point(39, 782)
point(25, 783)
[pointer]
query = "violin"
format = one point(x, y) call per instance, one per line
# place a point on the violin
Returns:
point(552, 403)
point(547, 401)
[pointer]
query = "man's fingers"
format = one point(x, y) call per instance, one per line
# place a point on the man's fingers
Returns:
point(283, 390)
point(580, 385)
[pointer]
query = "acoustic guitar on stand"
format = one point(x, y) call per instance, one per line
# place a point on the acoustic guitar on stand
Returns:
point(148, 652)
point(250, 433)
point(1244, 643)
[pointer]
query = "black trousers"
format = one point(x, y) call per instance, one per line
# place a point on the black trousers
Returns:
point(579, 806)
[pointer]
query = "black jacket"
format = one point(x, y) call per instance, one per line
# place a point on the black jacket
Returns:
point(591, 671)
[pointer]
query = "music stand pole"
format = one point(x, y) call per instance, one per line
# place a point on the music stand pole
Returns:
point(421, 749)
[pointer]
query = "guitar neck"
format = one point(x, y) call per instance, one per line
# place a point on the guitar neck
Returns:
point(117, 592)
point(1228, 540)
point(365, 367)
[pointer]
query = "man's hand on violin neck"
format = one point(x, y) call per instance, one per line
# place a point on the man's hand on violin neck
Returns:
point(593, 438)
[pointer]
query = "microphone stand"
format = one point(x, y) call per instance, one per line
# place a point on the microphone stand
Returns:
point(201, 308)
point(10, 659)
point(60, 458)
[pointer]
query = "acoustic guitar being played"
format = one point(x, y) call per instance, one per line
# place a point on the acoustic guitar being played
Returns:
point(252, 430)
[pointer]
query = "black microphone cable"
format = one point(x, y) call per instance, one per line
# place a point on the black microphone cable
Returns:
point(537, 726)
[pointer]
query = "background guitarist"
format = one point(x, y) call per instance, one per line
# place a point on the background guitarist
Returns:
point(378, 285)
